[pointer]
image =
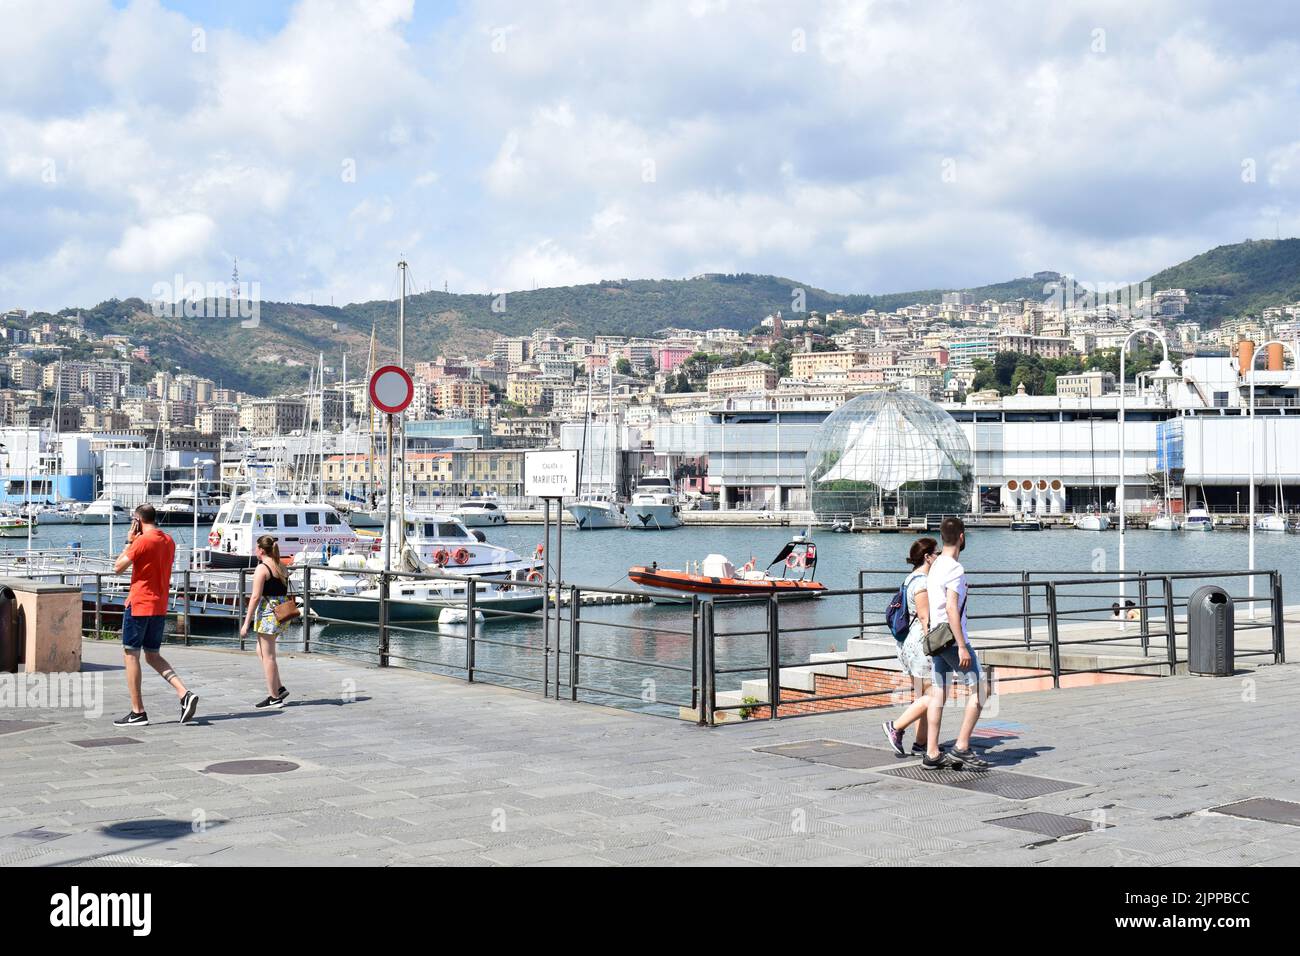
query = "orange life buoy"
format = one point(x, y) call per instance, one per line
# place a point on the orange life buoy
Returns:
point(534, 576)
point(794, 561)
point(460, 556)
point(214, 537)
point(441, 557)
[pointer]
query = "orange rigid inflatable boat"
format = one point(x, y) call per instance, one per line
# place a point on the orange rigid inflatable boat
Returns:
point(717, 578)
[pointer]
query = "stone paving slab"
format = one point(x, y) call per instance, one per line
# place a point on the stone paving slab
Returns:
point(419, 769)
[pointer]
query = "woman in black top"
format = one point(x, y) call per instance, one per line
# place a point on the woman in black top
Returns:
point(270, 589)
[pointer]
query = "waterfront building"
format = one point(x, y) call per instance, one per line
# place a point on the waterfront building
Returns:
point(888, 453)
point(751, 377)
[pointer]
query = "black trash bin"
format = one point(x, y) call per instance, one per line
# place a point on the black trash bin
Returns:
point(1210, 645)
point(9, 635)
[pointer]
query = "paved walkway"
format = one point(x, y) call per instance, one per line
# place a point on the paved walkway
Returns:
point(418, 769)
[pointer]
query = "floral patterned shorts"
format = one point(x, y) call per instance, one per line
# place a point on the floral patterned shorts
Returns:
point(264, 621)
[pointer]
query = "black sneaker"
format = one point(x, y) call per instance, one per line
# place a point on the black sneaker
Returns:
point(895, 737)
point(945, 761)
point(971, 760)
point(282, 695)
point(133, 720)
point(189, 704)
point(918, 750)
point(268, 703)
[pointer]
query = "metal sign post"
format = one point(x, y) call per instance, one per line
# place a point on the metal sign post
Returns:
point(551, 476)
point(391, 390)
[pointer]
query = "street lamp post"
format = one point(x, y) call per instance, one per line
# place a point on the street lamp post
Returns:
point(1163, 373)
point(112, 503)
point(1250, 453)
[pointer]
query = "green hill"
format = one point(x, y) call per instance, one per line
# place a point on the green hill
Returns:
point(1227, 281)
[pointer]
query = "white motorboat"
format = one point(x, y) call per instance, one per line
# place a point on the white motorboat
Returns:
point(654, 506)
point(297, 526)
point(1092, 522)
point(1026, 522)
point(595, 512)
point(1198, 519)
point(178, 507)
point(1163, 522)
point(479, 514)
point(15, 526)
point(100, 510)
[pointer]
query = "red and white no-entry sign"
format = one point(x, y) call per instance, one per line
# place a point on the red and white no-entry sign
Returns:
point(391, 389)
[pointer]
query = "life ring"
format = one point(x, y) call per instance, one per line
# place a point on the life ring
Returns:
point(794, 561)
point(534, 576)
point(460, 556)
point(214, 537)
point(749, 565)
point(441, 557)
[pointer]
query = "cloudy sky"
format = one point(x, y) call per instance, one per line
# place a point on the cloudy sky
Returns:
point(858, 146)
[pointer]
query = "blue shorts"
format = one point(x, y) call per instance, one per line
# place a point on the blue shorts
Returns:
point(142, 632)
point(947, 668)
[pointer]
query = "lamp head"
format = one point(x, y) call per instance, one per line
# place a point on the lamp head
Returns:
point(1165, 372)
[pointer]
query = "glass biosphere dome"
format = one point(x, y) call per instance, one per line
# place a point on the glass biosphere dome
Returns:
point(892, 453)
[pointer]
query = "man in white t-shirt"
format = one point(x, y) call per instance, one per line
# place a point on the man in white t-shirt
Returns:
point(947, 591)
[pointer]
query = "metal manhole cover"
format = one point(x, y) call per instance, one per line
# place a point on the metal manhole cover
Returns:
point(105, 742)
point(1048, 824)
point(1266, 809)
point(997, 783)
point(834, 753)
point(14, 726)
point(38, 835)
point(806, 749)
point(251, 767)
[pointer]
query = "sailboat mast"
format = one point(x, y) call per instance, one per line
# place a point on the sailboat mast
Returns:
point(401, 360)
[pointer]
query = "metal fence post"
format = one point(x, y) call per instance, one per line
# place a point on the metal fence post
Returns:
point(471, 626)
point(1142, 612)
point(862, 606)
point(185, 583)
point(383, 619)
point(1171, 627)
point(575, 629)
point(773, 657)
point(99, 606)
point(696, 670)
point(1279, 618)
point(243, 606)
point(1026, 606)
point(1053, 634)
point(306, 609)
point(708, 689)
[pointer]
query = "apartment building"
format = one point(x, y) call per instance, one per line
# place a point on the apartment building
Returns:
point(752, 377)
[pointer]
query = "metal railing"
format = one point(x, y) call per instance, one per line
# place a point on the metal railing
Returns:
point(608, 645)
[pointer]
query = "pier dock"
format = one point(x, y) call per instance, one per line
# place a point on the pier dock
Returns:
point(381, 767)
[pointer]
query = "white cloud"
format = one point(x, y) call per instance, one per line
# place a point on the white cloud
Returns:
point(505, 144)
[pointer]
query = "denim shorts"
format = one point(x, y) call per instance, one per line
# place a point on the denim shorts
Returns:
point(947, 668)
point(145, 631)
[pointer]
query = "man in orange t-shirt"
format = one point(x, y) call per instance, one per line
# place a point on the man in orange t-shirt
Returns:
point(149, 554)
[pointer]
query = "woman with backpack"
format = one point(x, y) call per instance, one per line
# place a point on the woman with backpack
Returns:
point(270, 591)
point(912, 658)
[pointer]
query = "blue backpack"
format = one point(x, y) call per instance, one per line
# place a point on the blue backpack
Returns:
point(897, 619)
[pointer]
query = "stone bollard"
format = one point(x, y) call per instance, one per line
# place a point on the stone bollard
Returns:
point(47, 624)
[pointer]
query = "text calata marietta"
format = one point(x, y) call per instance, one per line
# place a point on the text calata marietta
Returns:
point(75, 909)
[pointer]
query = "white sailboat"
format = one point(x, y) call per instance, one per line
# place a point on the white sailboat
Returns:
point(594, 511)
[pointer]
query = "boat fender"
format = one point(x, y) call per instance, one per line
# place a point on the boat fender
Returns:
point(460, 556)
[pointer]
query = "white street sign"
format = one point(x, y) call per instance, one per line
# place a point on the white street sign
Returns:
point(551, 474)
